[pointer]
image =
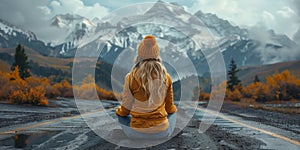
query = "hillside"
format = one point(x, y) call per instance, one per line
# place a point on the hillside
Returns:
point(4, 66)
point(59, 68)
point(247, 74)
point(61, 63)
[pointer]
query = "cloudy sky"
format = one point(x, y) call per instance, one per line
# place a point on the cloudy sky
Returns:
point(34, 15)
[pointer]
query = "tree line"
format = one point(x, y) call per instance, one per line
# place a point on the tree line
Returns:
point(281, 86)
point(20, 87)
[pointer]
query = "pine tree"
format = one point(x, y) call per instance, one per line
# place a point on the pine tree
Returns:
point(256, 79)
point(21, 60)
point(233, 79)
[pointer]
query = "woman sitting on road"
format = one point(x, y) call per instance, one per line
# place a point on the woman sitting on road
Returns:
point(147, 109)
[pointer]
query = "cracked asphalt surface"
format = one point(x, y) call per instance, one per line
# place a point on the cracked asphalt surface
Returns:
point(61, 127)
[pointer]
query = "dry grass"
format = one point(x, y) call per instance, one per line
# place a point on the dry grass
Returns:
point(251, 103)
point(282, 110)
point(46, 61)
point(4, 67)
point(40, 59)
point(247, 74)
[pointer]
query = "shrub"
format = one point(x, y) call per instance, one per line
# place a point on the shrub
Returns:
point(89, 90)
point(203, 96)
point(234, 95)
point(33, 96)
point(64, 89)
point(283, 86)
point(104, 94)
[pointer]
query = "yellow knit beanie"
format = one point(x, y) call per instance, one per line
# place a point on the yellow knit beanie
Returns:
point(148, 48)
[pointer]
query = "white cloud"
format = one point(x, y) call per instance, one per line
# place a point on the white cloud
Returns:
point(45, 10)
point(286, 12)
point(274, 14)
point(267, 16)
point(35, 15)
point(55, 4)
point(77, 7)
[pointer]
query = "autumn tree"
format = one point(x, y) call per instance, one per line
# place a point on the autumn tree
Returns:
point(232, 75)
point(282, 85)
point(235, 94)
point(89, 90)
point(21, 60)
point(258, 91)
point(64, 89)
point(203, 96)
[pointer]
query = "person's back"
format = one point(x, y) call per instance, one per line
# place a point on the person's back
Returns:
point(147, 102)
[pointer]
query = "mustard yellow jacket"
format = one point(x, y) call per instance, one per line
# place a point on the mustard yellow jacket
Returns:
point(150, 119)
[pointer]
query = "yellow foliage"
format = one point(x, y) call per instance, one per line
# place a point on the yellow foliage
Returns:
point(43, 102)
point(33, 96)
point(279, 86)
point(218, 91)
point(282, 86)
point(34, 82)
point(260, 91)
point(88, 80)
point(14, 75)
point(89, 90)
point(234, 95)
point(104, 94)
point(86, 91)
point(204, 96)
point(64, 89)
point(19, 91)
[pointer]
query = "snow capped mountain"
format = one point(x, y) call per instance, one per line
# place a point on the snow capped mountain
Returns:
point(234, 42)
point(219, 26)
point(249, 47)
point(11, 36)
point(10, 29)
point(246, 48)
point(296, 37)
point(70, 21)
point(75, 26)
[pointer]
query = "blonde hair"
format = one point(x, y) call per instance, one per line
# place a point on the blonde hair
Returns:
point(147, 71)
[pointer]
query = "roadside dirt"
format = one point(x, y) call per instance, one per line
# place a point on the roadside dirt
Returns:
point(11, 114)
point(288, 122)
point(214, 138)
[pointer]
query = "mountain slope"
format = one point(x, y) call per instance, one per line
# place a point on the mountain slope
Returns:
point(297, 36)
point(246, 48)
point(75, 26)
point(61, 68)
point(244, 45)
point(40, 59)
point(4, 66)
point(11, 36)
point(247, 74)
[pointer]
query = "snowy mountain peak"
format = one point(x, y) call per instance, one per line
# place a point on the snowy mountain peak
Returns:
point(164, 8)
point(246, 46)
point(220, 26)
point(11, 36)
point(75, 26)
point(69, 20)
point(12, 30)
point(296, 37)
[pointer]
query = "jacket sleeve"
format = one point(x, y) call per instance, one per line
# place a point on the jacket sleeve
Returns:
point(127, 100)
point(170, 107)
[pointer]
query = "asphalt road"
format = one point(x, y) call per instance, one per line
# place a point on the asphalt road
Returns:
point(71, 131)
